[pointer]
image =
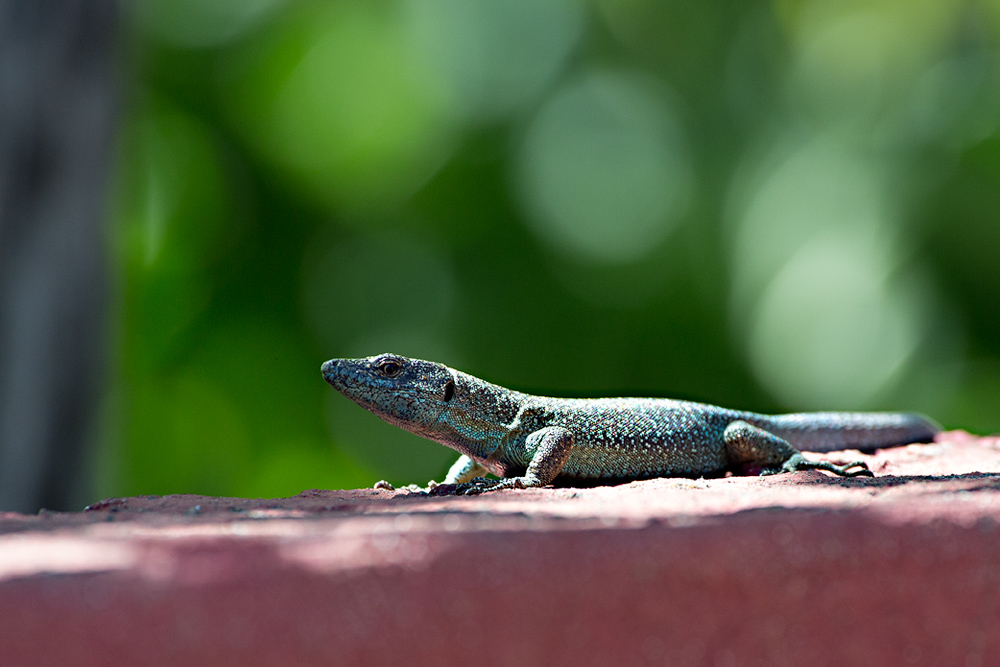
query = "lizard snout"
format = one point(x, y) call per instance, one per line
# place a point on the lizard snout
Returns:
point(329, 369)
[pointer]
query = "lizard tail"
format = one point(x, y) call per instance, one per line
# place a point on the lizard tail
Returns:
point(832, 431)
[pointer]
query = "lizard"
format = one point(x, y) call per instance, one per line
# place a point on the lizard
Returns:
point(532, 441)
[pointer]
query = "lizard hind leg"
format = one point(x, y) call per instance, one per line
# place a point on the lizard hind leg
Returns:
point(746, 443)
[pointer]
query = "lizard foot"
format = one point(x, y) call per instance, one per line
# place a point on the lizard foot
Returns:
point(480, 485)
point(799, 462)
point(409, 488)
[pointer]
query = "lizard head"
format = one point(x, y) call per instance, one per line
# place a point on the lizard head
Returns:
point(409, 393)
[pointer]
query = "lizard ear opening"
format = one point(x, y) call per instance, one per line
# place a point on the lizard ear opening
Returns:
point(449, 390)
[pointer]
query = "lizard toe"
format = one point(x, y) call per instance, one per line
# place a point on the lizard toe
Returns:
point(863, 470)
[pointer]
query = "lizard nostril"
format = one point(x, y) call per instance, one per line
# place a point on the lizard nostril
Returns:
point(328, 366)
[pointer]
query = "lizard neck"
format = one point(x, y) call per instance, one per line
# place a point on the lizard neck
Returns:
point(479, 417)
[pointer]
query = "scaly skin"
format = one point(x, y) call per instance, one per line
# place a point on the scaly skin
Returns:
point(530, 441)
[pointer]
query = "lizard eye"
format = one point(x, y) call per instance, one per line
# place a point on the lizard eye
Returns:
point(390, 368)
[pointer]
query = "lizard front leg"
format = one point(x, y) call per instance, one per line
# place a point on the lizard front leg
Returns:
point(554, 444)
point(746, 443)
point(463, 470)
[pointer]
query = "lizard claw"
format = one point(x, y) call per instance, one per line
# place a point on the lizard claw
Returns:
point(844, 470)
point(409, 488)
point(475, 486)
point(484, 485)
point(443, 490)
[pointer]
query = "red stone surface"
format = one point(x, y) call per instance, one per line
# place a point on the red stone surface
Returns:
point(800, 569)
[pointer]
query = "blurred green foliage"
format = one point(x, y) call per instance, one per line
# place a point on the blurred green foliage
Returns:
point(768, 205)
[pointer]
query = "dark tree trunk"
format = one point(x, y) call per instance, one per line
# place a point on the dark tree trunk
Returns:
point(57, 122)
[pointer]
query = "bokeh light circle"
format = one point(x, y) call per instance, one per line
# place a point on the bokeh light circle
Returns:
point(603, 171)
